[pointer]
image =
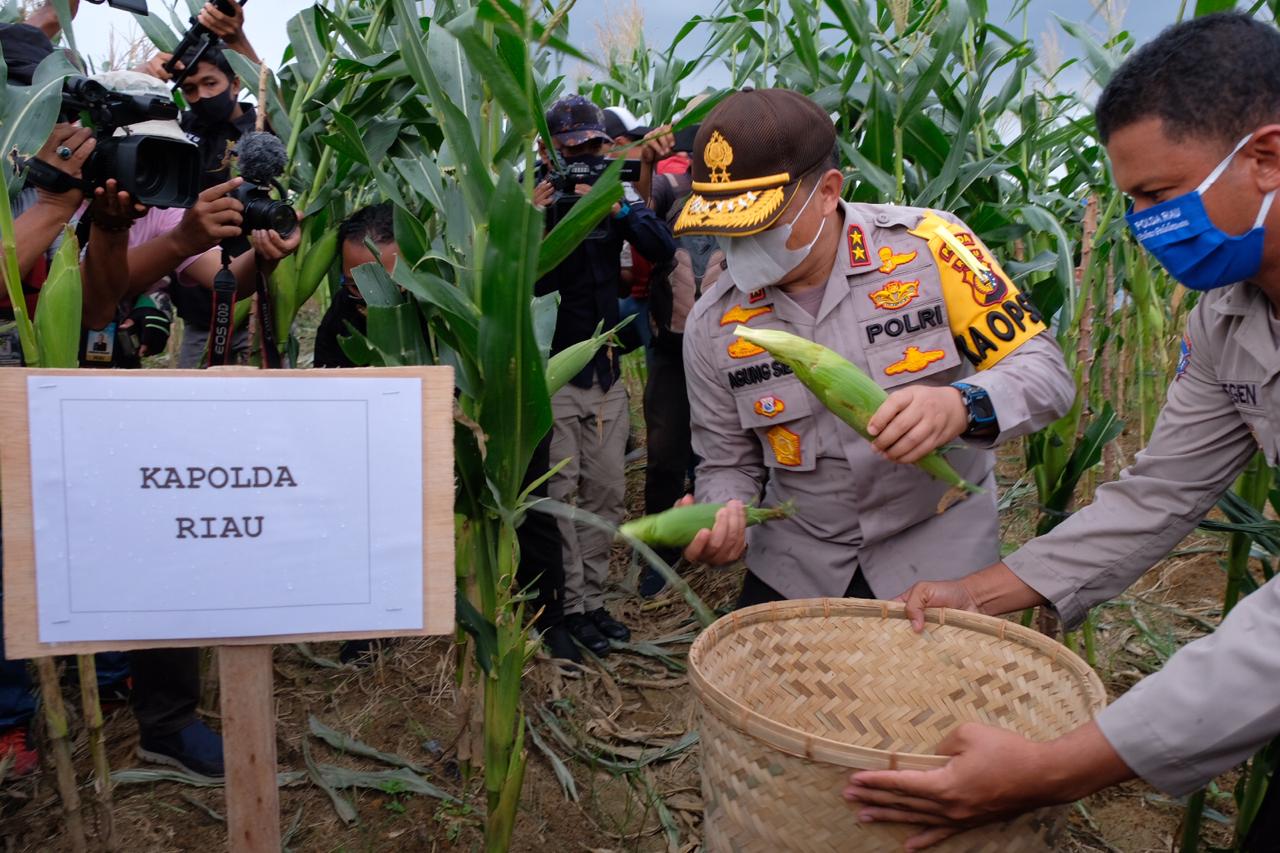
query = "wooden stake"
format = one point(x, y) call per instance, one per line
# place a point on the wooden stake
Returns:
point(249, 747)
point(55, 714)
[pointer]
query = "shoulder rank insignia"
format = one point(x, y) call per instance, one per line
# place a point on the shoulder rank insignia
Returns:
point(858, 254)
point(786, 445)
point(755, 296)
point(914, 361)
point(770, 406)
point(895, 295)
point(739, 348)
point(890, 262)
point(738, 314)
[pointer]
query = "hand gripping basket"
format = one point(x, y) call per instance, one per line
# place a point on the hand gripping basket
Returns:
point(796, 695)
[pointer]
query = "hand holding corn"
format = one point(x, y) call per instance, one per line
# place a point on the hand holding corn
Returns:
point(849, 393)
point(913, 422)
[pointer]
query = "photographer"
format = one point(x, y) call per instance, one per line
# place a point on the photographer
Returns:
point(591, 415)
point(165, 688)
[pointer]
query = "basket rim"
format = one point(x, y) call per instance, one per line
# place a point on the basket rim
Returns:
point(801, 744)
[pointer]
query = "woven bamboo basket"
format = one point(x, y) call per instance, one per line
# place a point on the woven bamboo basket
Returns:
point(796, 695)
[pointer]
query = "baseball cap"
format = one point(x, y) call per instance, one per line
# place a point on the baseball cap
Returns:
point(137, 83)
point(575, 120)
point(24, 46)
point(620, 121)
point(749, 156)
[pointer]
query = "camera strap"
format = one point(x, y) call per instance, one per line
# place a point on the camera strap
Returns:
point(222, 322)
point(50, 178)
point(267, 325)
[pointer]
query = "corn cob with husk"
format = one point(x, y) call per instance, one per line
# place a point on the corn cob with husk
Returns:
point(570, 361)
point(676, 527)
point(850, 394)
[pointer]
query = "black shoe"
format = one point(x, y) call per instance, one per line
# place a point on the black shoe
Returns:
point(585, 632)
point(607, 625)
point(651, 583)
point(358, 652)
point(559, 643)
point(195, 749)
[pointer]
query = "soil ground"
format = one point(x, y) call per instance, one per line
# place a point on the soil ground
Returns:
point(406, 704)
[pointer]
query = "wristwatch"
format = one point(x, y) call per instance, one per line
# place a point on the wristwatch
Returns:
point(982, 414)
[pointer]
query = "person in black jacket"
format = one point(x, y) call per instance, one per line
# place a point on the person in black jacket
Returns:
point(374, 223)
point(591, 413)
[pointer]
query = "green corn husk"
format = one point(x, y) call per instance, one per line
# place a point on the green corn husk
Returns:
point(850, 394)
point(570, 361)
point(676, 527)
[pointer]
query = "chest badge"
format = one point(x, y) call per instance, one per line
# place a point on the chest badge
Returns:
point(770, 407)
point(738, 348)
point(914, 360)
point(738, 314)
point(858, 254)
point(890, 262)
point(755, 296)
point(786, 445)
point(895, 295)
point(1184, 358)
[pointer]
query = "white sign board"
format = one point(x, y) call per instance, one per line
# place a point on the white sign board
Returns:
point(231, 506)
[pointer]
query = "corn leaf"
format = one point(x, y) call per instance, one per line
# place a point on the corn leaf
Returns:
point(584, 216)
point(58, 312)
point(350, 745)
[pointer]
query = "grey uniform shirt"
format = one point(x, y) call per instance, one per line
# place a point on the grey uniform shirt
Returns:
point(1218, 699)
point(762, 436)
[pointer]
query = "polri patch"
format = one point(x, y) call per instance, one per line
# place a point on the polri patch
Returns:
point(894, 295)
point(914, 360)
point(755, 296)
point(770, 406)
point(786, 446)
point(1184, 358)
point(738, 314)
point(739, 348)
point(859, 256)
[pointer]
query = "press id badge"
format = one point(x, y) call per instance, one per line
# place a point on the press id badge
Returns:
point(100, 344)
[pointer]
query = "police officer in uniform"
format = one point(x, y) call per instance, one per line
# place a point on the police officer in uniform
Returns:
point(909, 295)
point(1192, 125)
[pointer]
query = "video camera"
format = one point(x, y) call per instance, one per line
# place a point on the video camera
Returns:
point(582, 170)
point(158, 171)
point(195, 44)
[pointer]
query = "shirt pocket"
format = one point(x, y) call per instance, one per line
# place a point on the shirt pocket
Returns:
point(912, 357)
point(780, 414)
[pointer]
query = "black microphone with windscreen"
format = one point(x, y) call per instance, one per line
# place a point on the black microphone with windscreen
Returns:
point(262, 159)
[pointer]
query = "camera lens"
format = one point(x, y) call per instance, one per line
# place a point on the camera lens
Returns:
point(270, 214)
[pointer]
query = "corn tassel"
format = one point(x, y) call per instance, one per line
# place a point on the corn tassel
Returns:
point(676, 527)
point(844, 389)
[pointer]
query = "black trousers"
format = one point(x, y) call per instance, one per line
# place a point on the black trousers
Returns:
point(1264, 835)
point(756, 591)
point(166, 689)
point(666, 418)
point(541, 551)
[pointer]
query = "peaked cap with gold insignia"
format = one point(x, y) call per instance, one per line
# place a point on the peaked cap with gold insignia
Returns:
point(748, 159)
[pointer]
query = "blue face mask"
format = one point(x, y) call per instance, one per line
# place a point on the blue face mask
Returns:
point(1196, 252)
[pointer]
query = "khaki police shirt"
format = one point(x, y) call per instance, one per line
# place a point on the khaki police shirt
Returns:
point(901, 306)
point(1218, 699)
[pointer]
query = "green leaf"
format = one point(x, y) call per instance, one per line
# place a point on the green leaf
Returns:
point(467, 29)
point(1209, 7)
point(411, 236)
point(30, 111)
point(309, 42)
point(1103, 428)
point(484, 632)
point(58, 311)
point(515, 411)
point(546, 309)
point(158, 32)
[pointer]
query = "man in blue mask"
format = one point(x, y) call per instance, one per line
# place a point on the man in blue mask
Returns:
point(909, 295)
point(1192, 125)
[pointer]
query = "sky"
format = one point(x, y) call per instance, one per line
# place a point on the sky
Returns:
point(265, 21)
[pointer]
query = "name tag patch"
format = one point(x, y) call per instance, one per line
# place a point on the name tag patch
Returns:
point(921, 319)
point(754, 374)
point(1242, 393)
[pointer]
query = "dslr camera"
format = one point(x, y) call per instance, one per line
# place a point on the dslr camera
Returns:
point(158, 170)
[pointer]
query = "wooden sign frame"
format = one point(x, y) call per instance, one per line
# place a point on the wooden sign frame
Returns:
point(21, 615)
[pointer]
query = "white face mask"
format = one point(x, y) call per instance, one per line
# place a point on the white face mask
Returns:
point(762, 259)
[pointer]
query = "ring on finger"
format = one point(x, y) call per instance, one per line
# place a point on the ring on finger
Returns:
point(64, 152)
